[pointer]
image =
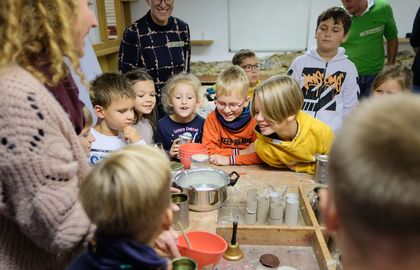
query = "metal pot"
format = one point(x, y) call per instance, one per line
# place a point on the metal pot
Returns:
point(206, 187)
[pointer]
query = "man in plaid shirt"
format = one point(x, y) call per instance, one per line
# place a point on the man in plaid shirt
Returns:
point(159, 43)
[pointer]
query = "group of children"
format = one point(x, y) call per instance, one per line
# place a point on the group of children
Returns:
point(284, 122)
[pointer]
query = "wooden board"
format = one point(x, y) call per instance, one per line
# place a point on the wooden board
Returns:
point(311, 234)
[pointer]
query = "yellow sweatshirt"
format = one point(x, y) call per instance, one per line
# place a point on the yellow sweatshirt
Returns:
point(313, 137)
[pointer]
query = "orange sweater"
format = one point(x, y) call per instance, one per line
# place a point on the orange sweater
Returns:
point(222, 141)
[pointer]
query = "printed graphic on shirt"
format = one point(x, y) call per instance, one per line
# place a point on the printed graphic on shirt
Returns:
point(97, 155)
point(193, 130)
point(235, 142)
point(319, 92)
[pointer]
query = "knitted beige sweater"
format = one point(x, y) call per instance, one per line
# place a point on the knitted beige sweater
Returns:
point(42, 224)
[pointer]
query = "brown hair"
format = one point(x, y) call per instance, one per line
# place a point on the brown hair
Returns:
point(280, 97)
point(36, 31)
point(140, 75)
point(108, 86)
point(338, 14)
point(402, 74)
point(241, 55)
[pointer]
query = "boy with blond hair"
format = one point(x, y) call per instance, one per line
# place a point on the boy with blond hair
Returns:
point(229, 130)
point(374, 205)
point(128, 197)
point(327, 78)
point(286, 136)
point(113, 100)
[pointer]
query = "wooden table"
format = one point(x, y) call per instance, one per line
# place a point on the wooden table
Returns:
point(259, 176)
point(308, 233)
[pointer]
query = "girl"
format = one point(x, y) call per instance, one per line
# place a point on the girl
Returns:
point(287, 137)
point(86, 138)
point(393, 79)
point(144, 108)
point(181, 101)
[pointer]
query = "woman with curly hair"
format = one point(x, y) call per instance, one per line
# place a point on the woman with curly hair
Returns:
point(42, 224)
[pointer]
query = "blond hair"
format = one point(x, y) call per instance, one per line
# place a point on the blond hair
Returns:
point(280, 97)
point(174, 81)
point(87, 115)
point(33, 32)
point(128, 193)
point(232, 80)
point(374, 173)
point(401, 74)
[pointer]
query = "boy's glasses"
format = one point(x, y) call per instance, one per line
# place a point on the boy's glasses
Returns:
point(158, 2)
point(251, 67)
point(232, 106)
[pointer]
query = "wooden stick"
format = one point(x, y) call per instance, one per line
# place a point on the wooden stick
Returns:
point(185, 235)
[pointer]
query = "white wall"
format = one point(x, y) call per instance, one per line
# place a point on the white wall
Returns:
point(208, 19)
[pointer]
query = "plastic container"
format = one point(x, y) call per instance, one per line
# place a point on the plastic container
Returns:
point(199, 160)
point(206, 248)
point(189, 149)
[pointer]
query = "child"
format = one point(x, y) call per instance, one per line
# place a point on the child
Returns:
point(374, 205)
point(393, 79)
point(181, 100)
point(144, 108)
point(327, 78)
point(127, 196)
point(113, 99)
point(86, 138)
point(229, 130)
point(248, 61)
point(286, 136)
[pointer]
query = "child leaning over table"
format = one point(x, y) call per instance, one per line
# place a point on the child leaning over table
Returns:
point(229, 130)
point(180, 101)
point(127, 196)
point(286, 136)
point(113, 100)
point(328, 80)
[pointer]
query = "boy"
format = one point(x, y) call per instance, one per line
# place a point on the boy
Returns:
point(248, 61)
point(127, 196)
point(229, 130)
point(113, 100)
point(327, 78)
point(374, 203)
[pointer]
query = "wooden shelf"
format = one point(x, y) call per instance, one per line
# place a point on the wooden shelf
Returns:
point(202, 42)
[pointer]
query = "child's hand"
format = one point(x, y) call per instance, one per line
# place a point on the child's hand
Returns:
point(219, 160)
point(166, 242)
point(174, 151)
point(250, 149)
point(131, 134)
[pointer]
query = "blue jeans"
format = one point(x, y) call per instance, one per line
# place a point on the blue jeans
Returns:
point(416, 89)
point(365, 85)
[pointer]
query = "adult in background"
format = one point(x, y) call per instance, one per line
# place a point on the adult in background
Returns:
point(42, 224)
point(159, 43)
point(415, 43)
point(372, 20)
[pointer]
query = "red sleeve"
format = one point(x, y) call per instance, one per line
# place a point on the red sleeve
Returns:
point(247, 159)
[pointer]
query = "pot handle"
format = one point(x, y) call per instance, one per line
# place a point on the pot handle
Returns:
point(233, 178)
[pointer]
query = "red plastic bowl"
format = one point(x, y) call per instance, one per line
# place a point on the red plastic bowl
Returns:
point(207, 248)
